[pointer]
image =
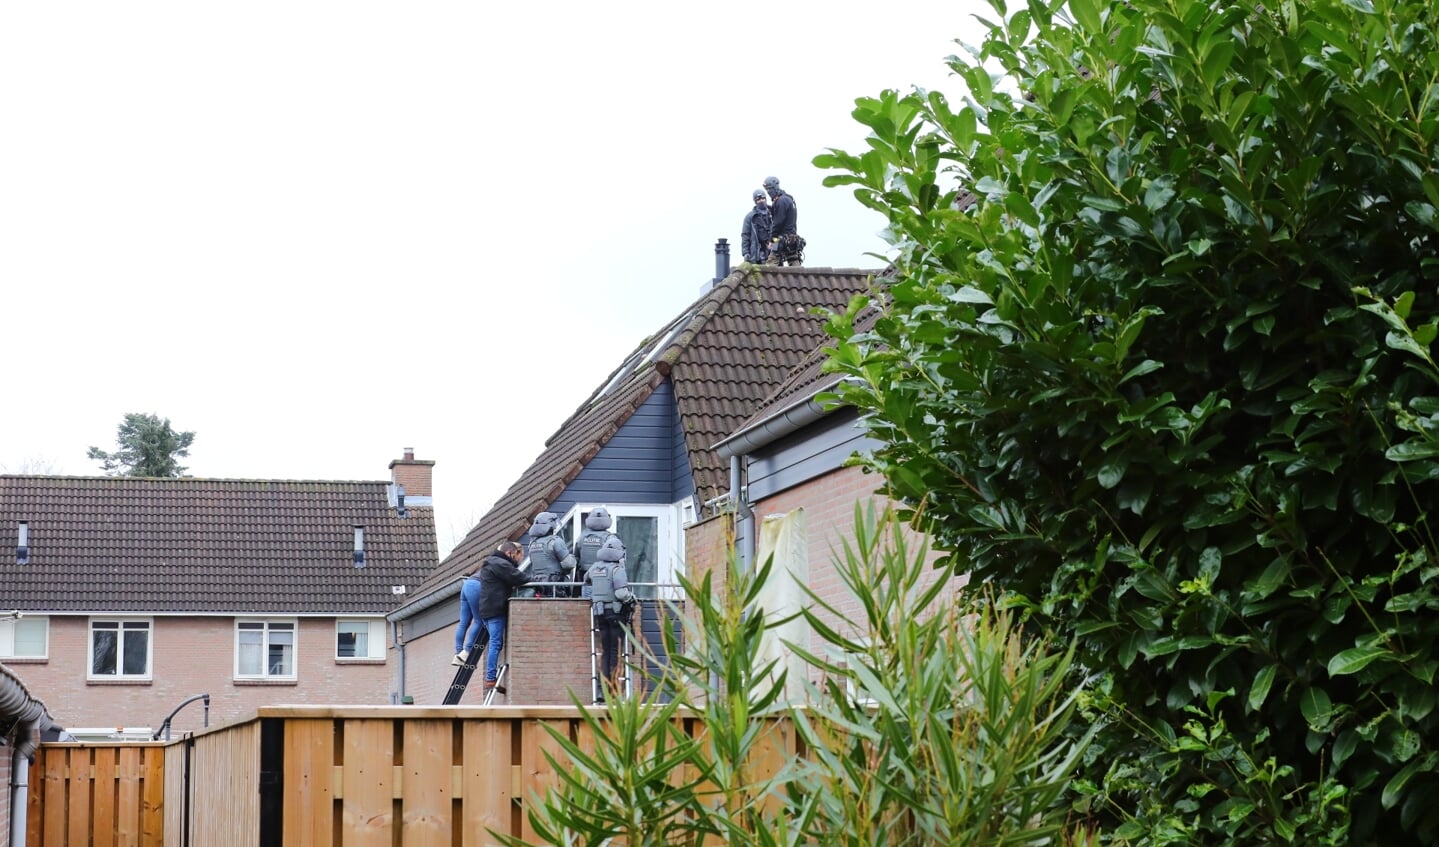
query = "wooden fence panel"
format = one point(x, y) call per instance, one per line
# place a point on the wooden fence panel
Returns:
point(52, 783)
point(487, 782)
point(225, 788)
point(537, 777)
point(428, 783)
point(77, 783)
point(309, 781)
point(127, 808)
point(106, 783)
point(83, 794)
point(368, 780)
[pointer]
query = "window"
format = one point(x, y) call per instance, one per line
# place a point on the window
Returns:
point(360, 639)
point(119, 649)
point(652, 552)
point(265, 649)
point(26, 638)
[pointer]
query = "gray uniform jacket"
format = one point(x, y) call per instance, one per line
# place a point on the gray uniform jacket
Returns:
point(754, 237)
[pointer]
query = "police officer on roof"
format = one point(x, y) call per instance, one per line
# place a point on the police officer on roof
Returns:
point(786, 247)
point(754, 235)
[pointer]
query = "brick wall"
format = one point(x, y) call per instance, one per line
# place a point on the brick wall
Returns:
point(195, 656)
point(829, 504)
point(547, 644)
point(549, 651)
point(428, 671)
point(707, 548)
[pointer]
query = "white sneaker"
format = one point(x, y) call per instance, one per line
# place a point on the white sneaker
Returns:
point(460, 658)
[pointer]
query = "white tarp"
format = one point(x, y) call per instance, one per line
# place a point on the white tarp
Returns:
point(784, 537)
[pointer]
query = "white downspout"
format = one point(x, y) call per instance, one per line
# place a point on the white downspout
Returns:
point(19, 796)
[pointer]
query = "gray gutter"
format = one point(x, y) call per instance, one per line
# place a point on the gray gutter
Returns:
point(31, 719)
point(788, 420)
point(30, 716)
point(448, 591)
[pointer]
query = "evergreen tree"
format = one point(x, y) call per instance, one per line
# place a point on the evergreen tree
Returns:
point(147, 447)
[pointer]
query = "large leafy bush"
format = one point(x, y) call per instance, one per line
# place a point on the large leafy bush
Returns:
point(1155, 360)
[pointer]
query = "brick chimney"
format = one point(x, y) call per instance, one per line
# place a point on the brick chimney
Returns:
point(415, 475)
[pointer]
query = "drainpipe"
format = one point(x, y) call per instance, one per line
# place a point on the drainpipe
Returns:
point(399, 648)
point(19, 795)
point(744, 517)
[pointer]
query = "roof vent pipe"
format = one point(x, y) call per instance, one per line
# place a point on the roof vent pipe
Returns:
point(721, 259)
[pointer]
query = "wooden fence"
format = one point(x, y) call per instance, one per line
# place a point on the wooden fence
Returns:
point(97, 794)
point(344, 776)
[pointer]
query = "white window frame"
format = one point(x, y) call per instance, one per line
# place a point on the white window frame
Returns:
point(670, 518)
point(9, 631)
point(375, 638)
point(121, 627)
point(293, 625)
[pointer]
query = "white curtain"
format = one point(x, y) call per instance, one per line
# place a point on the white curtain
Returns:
point(784, 537)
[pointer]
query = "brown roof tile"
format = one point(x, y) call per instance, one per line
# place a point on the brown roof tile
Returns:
point(124, 544)
point(723, 354)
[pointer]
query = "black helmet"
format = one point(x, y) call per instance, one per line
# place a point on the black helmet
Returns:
point(758, 195)
point(771, 184)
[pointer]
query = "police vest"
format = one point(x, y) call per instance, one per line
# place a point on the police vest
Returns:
point(544, 564)
point(602, 582)
point(589, 548)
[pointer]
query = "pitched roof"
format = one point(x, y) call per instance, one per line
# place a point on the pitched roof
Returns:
point(807, 379)
point(723, 354)
point(125, 544)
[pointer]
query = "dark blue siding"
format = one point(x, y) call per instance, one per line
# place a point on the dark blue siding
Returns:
point(683, 475)
point(637, 465)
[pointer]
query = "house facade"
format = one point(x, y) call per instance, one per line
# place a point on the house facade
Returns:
point(641, 445)
point(136, 594)
point(797, 491)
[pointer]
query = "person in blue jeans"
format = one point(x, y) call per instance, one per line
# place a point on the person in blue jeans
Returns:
point(469, 629)
point(499, 575)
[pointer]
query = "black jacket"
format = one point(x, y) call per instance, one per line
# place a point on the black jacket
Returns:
point(783, 216)
point(754, 237)
point(498, 575)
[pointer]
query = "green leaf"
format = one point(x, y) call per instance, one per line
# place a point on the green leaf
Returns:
point(1316, 707)
point(1355, 659)
point(1147, 366)
point(1086, 14)
point(1410, 451)
point(1259, 689)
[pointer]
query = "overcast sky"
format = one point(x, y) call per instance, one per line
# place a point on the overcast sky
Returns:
point(318, 233)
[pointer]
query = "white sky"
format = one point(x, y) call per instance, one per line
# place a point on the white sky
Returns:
point(317, 233)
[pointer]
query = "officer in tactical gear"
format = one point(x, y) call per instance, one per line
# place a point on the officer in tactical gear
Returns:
point(587, 548)
point(786, 247)
point(754, 235)
point(614, 605)
point(550, 559)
